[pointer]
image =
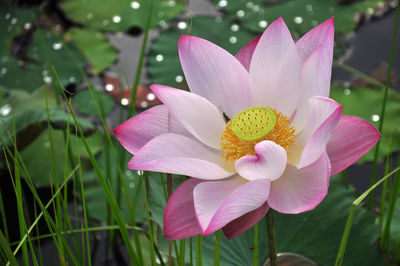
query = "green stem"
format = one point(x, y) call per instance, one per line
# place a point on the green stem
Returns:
point(273, 259)
point(255, 251)
point(217, 249)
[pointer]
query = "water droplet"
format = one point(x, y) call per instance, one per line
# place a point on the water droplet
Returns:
point(27, 26)
point(124, 101)
point(182, 25)
point(309, 8)
point(375, 117)
point(240, 13)
point(131, 185)
point(347, 91)
point(218, 19)
point(179, 79)
point(144, 104)
point(160, 14)
point(234, 27)
point(14, 21)
point(5, 110)
point(370, 11)
point(89, 16)
point(262, 24)
point(298, 20)
point(72, 79)
point(232, 39)
point(106, 22)
point(139, 172)
point(47, 79)
point(7, 16)
point(171, 3)
point(249, 5)
point(162, 23)
point(116, 19)
point(222, 3)
point(159, 58)
point(135, 5)
point(57, 45)
point(256, 8)
point(109, 87)
point(45, 73)
point(150, 97)
point(314, 23)
point(3, 71)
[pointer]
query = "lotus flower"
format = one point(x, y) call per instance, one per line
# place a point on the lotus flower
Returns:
point(256, 131)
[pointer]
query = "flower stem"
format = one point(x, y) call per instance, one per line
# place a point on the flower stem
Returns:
point(273, 261)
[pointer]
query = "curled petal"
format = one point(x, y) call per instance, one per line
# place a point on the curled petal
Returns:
point(215, 74)
point(300, 190)
point(176, 154)
point(268, 163)
point(179, 216)
point(199, 116)
point(140, 129)
point(219, 202)
point(246, 53)
point(351, 139)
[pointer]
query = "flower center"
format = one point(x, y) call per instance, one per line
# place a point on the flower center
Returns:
point(252, 126)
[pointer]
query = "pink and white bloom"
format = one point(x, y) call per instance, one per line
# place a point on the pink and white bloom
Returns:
point(257, 131)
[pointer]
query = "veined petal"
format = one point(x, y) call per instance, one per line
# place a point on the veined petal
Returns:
point(246, 53)
point(268, 163)
point(220, 202)
point(245, 222)
point(179, 216)
point(300, 190)
point(275, 70)
point(199, 116)
point(140, 129)
point(215, 74)
point(323, 116)
point(177, 154)
point(351, 139)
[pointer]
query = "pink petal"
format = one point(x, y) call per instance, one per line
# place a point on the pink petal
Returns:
point(323, 116)
point(179, 216)
point(199, 116)
point(215, 74)
point(177, 154)
point(246, 53)
point(137, 131)
point(268, 163)
point(300, 190)
point(275, 70)
point(351, 139)
point(220, 202)
point(245, 222)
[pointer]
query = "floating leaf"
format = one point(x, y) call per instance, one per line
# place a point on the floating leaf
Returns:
point(366, 103)
point(94, 46)
point(164, 65)
point(84, 103)
point(120, 15)
point(315, 234)
point(299, 15)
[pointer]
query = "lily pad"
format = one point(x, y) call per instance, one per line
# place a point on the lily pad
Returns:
point(94, 46)
point(299, 15)
point(315, 234)
point(366, 103)
point(163, 59)
point(120, 15)
point(84, 103)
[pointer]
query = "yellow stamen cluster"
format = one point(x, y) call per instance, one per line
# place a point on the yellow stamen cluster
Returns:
point(235, 146)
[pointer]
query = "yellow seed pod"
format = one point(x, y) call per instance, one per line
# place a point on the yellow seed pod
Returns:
point(253, 123)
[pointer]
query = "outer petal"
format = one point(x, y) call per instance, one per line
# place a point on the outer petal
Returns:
point(220, 202)
point(245, 222)
point(268, 163)
point(176, 154)
point(200, 117)
point(215, 74)
point(275, 69)
point(246, 53)
point(137, 131)
point(300, 190)
point(351, 139)
point(311, 142)
point(179, 216)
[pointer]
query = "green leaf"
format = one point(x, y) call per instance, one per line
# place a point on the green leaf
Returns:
point(94, 46)
point(366, 103)
point(84, 103)
point(37, 156)
point(315, 234)
point(299, 15)
point(120, 15)
point(163, 59)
